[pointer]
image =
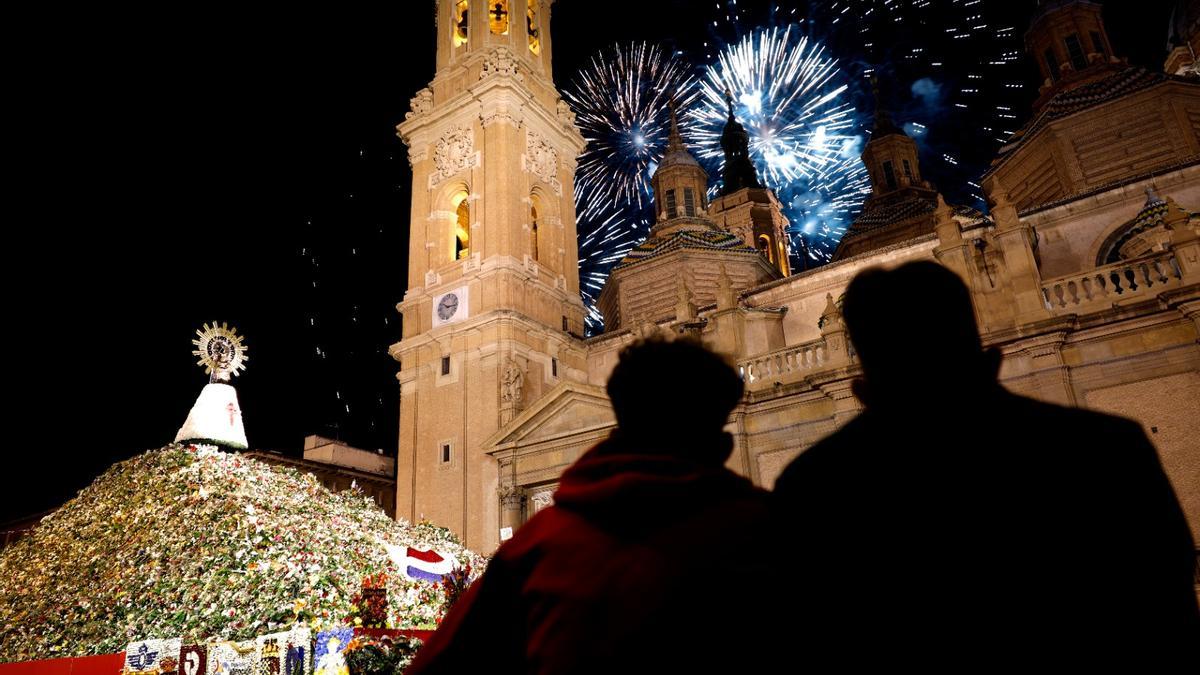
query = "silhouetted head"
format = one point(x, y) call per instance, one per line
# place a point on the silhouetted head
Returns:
point(672, 394)
point(914, 330)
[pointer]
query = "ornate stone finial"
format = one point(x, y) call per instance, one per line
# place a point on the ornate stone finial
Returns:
point(831, 316)
point(945, 225)
point(1152, 197)
point(420, 104)
point(729, 101)
point(830, 307)
point(685, 309)
point(997, 195)
point(726, 298)
point(942, 209)
point(644, 328)
point(1178, 221)
point(1004, 214)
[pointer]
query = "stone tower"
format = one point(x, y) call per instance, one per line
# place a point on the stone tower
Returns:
point(688, 255)
point(902, 203)
point(492, 307)
point(1071, 47)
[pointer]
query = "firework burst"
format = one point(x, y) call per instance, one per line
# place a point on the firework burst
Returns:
point(611, 233)
point(621, 103)
point(790, 95)
point(620, 100)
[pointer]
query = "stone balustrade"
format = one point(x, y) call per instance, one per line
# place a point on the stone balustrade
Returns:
point(1104, 286)
point(785, 364)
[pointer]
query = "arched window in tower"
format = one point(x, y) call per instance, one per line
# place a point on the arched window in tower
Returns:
point(689, 202)
point(461, 23)
point(498, 17)
point(531, 28)
point(889, 175)
point(462, 229)
point(533, 231)
point(1052, 66)
point(1075, 52)
point(765, 248)
point(671, 211)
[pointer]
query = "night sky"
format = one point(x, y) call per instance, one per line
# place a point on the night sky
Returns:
point(188, 165)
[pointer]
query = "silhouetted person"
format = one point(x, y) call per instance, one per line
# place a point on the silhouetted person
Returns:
point(955, 525)
point(652, 558)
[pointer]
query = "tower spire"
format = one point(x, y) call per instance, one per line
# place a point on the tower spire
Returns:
point(675, 139)
point(739, 171)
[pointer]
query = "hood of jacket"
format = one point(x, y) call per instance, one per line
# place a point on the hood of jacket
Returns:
point(622, 485)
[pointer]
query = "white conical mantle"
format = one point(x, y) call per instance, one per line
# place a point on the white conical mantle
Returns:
point(216, 418)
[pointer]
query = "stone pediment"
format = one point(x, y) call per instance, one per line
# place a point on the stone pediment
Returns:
point(570, 409)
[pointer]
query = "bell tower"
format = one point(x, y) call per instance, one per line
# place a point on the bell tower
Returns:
point(492, 309)
point(1071, 47)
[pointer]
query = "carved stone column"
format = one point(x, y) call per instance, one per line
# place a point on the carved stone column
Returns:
point(511, 501)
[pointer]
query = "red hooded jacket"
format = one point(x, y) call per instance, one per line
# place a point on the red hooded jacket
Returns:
point(648, 561)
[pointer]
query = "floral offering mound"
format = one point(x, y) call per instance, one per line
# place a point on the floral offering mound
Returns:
point(195, 543)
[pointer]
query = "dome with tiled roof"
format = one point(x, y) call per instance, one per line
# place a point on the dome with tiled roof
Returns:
point(882, 214)
point(1083, 97)
point(1146, 232)
point(712, 240)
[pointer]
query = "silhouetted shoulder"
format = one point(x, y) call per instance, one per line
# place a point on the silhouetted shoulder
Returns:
point(1092, 431)
point(843, 448)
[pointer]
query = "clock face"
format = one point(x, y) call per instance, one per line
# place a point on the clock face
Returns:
point(447, 307)
point(451, 306)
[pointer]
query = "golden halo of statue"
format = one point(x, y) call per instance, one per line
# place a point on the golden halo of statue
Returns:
point(221, 351)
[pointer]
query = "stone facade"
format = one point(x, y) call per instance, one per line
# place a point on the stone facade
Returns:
point(1121, 335)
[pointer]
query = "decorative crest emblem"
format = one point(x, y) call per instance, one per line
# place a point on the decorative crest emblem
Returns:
point(143, 658)
point(221, 351)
